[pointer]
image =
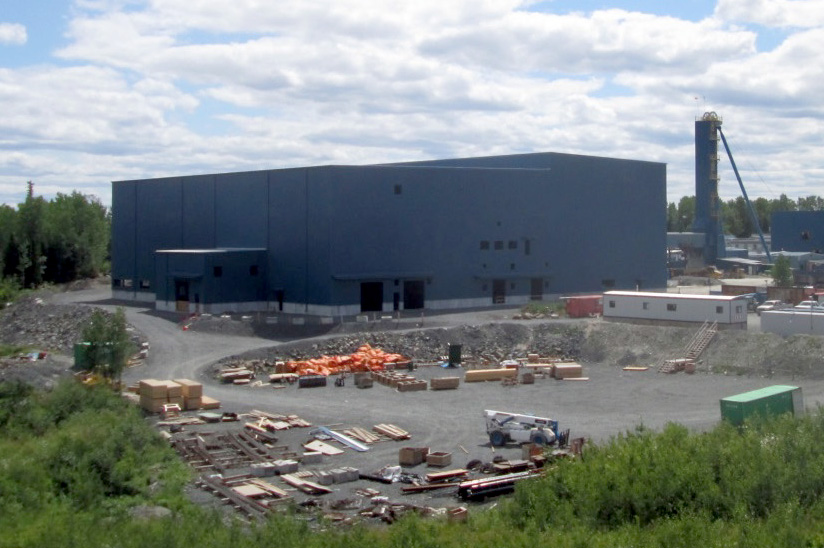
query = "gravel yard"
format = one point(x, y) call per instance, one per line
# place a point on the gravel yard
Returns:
point(612, 401)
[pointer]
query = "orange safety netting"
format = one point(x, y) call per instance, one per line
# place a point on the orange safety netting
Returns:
point(365, 358)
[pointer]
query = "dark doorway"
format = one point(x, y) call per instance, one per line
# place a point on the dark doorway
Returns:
point(536, 291)
point(182, 295)
point(279, 299)
point(371, 296)
point(413, 293)
point(498, 291)
point(396, 301)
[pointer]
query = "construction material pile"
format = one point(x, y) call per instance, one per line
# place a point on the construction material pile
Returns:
point(365, 358)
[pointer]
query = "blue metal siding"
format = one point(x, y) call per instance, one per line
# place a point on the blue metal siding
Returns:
point(198, 212)
point(159, 221)
point(287, 230)
point(797, 231)
point(124, 224)
point(240, 215)
point(329, 228)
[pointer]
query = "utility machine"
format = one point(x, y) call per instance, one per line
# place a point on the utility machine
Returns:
point(504, 427)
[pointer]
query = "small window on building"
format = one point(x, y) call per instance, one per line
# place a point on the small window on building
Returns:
point(738, 309)
point(612, 304)
point(719, 309)
point(398, 189)
point(645, 305)
point(117, 282)
point(127, 283)
point(512, 244)
point(608, 283)
point(499, 245)
point(145, 284)
point(253, 270)
point(671, 307)
point(217, 271)
point(484, 245)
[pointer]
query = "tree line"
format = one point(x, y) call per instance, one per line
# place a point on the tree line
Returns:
point(736, 215)
point(54, 241)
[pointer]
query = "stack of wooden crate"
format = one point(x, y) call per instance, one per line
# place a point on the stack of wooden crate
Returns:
point(192, 394)
point(187, 394)
point(154, 395)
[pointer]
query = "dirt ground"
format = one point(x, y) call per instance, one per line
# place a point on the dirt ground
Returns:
point(611, 402)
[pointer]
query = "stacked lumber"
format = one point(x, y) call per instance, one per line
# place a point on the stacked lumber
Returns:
point(444, 383)
point(305, 485)
point(283, 377)
point(154, 395)
point(478, 375)
point(366, 358)
point(392, 431)
point(567, 370)
point(449, 475)
point(232, 374)
point(192, 394)
point(362, 435)
point(280, 422)
point(209, 403)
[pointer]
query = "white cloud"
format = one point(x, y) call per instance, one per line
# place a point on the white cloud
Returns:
point(169, 87)
point(12, 33)
point(773, 13)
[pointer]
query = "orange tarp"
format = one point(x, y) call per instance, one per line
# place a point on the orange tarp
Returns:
point(365, 358)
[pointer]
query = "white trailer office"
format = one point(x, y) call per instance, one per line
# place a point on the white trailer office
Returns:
point(651, 307)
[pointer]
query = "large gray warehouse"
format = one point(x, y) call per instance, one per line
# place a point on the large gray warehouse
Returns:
point(342, 240)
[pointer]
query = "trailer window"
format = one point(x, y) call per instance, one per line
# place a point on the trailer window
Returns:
point(612, 304)
point(671, 307)
point(645, 306)
point(719, 309)
point(738, 309)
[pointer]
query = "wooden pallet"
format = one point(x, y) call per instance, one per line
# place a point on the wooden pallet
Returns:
point(392, 431)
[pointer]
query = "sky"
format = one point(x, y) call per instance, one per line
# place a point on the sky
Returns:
point(94, 91)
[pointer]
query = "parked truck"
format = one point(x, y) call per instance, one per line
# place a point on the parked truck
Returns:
point(503, 427)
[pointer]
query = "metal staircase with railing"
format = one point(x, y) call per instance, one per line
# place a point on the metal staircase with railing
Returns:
point(699, 342)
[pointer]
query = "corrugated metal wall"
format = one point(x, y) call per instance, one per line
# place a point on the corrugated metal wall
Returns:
point(574, 222)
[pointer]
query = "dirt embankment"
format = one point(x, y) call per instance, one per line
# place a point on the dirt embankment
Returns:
point(589, 341)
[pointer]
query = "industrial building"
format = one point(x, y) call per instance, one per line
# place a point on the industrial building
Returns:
point(801, 231)
point(644, 306)
point(344, 240)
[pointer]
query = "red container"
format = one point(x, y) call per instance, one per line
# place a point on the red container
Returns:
point(584, 306)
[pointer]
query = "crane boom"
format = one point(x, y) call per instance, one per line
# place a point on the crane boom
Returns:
point(746, 198)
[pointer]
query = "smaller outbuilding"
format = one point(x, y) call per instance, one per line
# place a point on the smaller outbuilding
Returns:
point(651, 307)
